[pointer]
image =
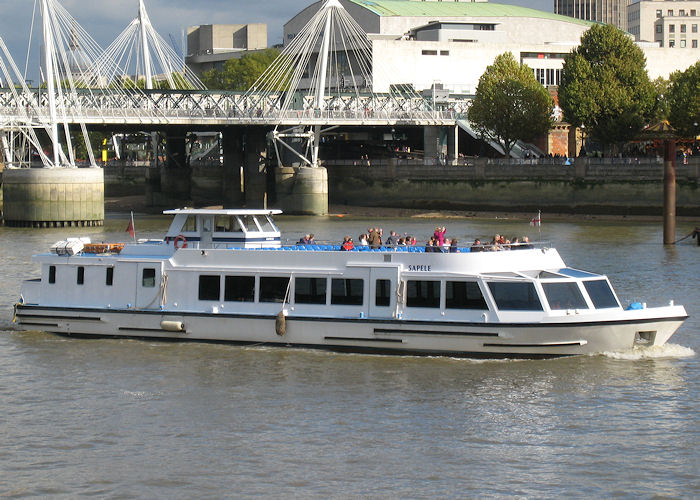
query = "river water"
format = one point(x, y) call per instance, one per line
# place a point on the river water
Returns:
point(139, 419)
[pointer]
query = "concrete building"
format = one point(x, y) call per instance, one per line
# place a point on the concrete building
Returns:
point(603, 11)
point(667, 23)
point(423, 43)
point(209, 46)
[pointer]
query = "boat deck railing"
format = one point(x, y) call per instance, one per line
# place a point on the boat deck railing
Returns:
point(325, 247)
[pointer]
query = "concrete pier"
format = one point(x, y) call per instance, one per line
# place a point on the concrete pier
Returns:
point(57, 197)
point(302, 190)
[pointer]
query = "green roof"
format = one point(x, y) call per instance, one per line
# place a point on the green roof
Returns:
point(411, 8)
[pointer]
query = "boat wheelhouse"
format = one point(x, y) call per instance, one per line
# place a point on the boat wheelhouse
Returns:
point(223, 275)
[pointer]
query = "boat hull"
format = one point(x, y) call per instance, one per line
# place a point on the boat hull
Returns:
point(460, 339)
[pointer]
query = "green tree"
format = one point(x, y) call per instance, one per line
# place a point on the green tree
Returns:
point(240, 74)
point(684, 101)
point(510, 104)
point(605, 86)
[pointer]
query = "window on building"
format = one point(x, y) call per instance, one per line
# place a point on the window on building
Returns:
point(422, 293)
point(464, 295)
point(671, 43)
point(273, 288)
point(148, 277)
point(682, 28)
point(109, 277)
point(669, 12)
point(348, 292)
point(681, 12)
point(694, 44)
point(515, 296)
point(239, 288)
point(52, 274)
point(671, 28)
point(601, 294)
point(81, 275)
point(693, 28)
point(659, 28)
point(659, 14)
point(310, 290)
point(682, 44)
point(209, 287)
point(382, 291)
point(693, 13)
point(429, 52)
point(444, 52)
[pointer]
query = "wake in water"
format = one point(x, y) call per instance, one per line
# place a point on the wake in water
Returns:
point(665, 351)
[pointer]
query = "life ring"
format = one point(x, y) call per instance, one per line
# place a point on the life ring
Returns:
point(180, 238)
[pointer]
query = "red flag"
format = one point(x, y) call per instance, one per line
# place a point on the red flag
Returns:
point(130, 227)
point(536, 221)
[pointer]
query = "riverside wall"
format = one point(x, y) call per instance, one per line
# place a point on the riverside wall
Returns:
point(587, 186)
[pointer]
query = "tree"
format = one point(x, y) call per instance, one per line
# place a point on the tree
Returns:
point(240, 74)
point(684, 101)
point(605, 86)
point(510, 104)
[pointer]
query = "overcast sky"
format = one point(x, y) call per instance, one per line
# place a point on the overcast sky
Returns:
point(105, 19)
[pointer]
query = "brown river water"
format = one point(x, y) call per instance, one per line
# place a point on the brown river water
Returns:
point(118, 418)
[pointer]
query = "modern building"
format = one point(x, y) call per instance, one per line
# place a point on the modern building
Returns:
point(209, 46)
point(667, 23)
point(426, 42)
point(603, 11)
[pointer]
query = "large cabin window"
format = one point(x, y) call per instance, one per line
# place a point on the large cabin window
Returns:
point(148, 277)
point(564, 296)
point(223, 224)
point(190, 225)
point(273, 288)
point(515, 296)
point(52, 274)
point(209, 287)
point(348, 292)
point(81, 275)
point(422, 293)
point(601, 294)
point(382, 297)
point(109, 276)
point(239, 288)
point(310, 290)
point(464, 295)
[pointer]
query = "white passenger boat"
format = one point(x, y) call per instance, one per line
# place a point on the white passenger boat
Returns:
point(223, 275)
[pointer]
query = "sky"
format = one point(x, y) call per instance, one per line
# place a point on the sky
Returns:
point(105, 19)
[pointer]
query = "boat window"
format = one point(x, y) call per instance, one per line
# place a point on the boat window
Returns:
point(266, 224)
point(422, 293)
point(248, 223)
point(464, 295)
point(109, 278)
point(381, 296)
point(347, 292)
point(223, 224)
point(273, 288)
point(515, 296)
point(547, 275)
point(239, 288)
point(190, 225)
point(310, 290)
point(564, 296)
point(601, 294)
point(148, 277)
point(81, 275)
point(52, 274)
point(209, 287)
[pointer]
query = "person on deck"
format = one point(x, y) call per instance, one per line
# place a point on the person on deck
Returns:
point(347, 244)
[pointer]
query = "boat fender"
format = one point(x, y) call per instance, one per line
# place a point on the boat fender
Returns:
point(172, 326)
point(180, 239)
point(281, 324)
point(635, 306)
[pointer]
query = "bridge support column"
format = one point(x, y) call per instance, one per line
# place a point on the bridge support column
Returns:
point(175, 176)
point(254, 167)
point(434, 145)
point(233, 165)
point(302, 190)
point(452, 145)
